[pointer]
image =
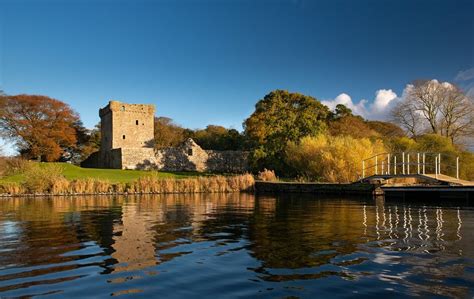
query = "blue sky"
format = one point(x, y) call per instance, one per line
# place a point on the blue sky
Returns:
point(208, 62)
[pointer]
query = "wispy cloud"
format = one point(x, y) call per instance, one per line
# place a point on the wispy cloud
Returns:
point(465, 75)
point(466, 80)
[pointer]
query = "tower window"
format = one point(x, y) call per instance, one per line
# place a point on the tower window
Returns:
point(122, 108)
point(190, 152)
point(136, 122)
point(123, 137)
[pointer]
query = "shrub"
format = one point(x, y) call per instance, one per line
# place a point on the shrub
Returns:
point(12, 166)
point(331, 158)
point(39, 178)
point(267, 175)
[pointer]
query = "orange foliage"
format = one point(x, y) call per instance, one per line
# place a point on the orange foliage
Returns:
point(41, 126)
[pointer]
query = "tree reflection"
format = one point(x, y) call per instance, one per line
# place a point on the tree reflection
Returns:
point(290, 237)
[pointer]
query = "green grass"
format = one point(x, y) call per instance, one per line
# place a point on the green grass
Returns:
point(73, 172)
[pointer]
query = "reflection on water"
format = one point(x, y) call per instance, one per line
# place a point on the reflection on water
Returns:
point(234, 245)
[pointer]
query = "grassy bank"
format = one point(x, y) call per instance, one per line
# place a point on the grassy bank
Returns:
point(62, 179)
point(73, 172)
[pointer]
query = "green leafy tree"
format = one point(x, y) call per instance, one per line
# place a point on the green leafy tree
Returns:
point(343, 110)
point(282, 117)
point(167, 133)
point(219, 138)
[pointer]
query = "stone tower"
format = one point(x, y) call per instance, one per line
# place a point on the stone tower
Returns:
point(126, 126)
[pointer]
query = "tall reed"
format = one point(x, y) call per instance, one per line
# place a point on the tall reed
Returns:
point(49, 180)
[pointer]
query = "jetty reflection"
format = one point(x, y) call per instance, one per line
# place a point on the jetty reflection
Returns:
point(51, 242)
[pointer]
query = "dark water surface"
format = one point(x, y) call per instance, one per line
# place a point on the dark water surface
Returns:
point(238, 245)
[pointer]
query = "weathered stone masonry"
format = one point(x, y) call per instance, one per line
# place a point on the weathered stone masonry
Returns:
point(127, 134)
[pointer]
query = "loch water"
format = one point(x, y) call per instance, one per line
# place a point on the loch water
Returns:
point(235, 245)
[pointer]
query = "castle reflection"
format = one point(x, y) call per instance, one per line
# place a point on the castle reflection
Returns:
point(331, 236)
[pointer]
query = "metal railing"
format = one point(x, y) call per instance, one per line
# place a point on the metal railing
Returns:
point(408, 163)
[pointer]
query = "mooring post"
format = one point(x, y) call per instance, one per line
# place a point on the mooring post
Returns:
point(423, 163)
point(418, 163)
point(376, 165)
point(436, 167)
point(383, 164)
point(457, 168)
point(395, 165)
point(408, 163)
point(388, 165)
point(403, 162)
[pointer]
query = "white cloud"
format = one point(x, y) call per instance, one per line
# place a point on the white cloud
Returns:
point(385, 99)
point(379, 108)
point(346, 100)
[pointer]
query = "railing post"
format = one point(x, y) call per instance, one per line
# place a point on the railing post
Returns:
point(418, 163)
point(403, 162)
point(376, 165)
point(424, 163)
point(383, 164)
point(457, 168)
point(408, 163)
point(363, 169)
point(439, 163)
point(388, 165)
point(395, 165)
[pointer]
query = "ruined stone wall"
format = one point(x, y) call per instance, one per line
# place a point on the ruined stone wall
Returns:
point(227, 161)
point(111, 159)
point(138, 158)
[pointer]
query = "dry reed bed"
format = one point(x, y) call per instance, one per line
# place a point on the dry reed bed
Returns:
point(54, 183)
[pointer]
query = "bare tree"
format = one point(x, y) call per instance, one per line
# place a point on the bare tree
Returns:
point(426, 98)
point(440, 108)
point(457, 112)
point(406, 115)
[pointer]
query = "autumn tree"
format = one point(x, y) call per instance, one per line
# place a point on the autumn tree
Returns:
point(351, 126)
point(281, 117)
point(167, 133)
point(385, 129)
point(87, 142)
point(42, 127)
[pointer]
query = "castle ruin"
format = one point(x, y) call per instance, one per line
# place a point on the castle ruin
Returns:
point(127, 142)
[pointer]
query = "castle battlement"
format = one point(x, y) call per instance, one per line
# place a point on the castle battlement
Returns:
point(116, 106)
